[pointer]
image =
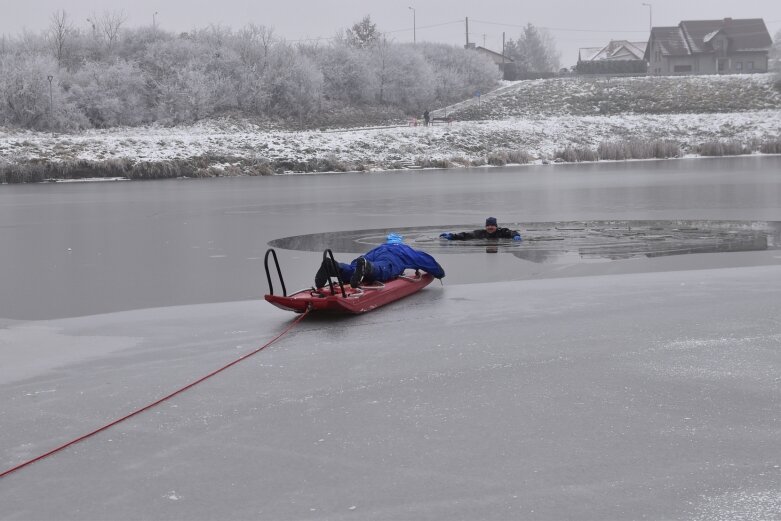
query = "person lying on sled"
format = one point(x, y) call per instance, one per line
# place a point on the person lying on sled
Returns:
point(491, 231)
point(383, 263)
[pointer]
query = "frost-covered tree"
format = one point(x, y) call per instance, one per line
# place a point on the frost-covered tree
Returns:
point(106, 29)
point(405, 78)
point(363, 34)
point(185, 80)
point(347, 74)
point(135, 41)
point(515, 50)
point(110, 94)
point(293, 83)
point(24, 95)
point(381, 62)
point(29, 100)
point(106, 75)
point(215, 36)
point(199, 93)
point(775, 50)
point(534, 51)
point(458, 72)
point(252, 46)
point(253, 43)
point(30, 43)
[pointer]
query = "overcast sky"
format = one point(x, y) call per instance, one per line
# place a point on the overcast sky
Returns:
point(573, 23)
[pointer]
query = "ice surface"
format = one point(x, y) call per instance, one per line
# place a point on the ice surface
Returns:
point(649, 395)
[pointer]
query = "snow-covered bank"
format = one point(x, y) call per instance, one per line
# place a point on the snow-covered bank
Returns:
point(382, 147)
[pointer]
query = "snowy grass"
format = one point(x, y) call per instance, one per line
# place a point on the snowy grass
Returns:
point(521, 122)
point(592, 95)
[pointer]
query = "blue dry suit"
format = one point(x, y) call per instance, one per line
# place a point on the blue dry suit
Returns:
point(388, 261)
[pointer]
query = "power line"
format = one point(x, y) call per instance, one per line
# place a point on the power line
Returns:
point(328, 38)
point(425, 26)
point(562, 29)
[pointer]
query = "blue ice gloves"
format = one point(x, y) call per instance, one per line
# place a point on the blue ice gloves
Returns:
point(517, 238)
point(446, 236)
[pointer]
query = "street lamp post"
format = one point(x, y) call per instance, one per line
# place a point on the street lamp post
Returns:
point(414, 26)
point(51, 97)
point(650, 15)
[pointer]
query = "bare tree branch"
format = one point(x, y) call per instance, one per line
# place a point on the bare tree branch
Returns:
point(58, 34)
point(110, 24)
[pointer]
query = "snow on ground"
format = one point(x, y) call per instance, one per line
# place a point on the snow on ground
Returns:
point(540, 137)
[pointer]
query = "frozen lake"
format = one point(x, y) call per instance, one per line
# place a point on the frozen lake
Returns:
point(78, 249)
point(639, 387)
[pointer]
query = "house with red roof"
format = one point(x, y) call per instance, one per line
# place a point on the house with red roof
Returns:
point(728, 46)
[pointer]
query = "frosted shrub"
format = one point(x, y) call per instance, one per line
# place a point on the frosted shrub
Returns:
point(504, 157)
point(497, 158)
point(520, 157)
point(722, 148)
point(259, 167)
point(160, 170)
point(666, 149)
point(771, 146)
point(576, 155)
point(110, 94)
point(329, 163)
point(637, 149)
point(611, 150)
point(435, 163)
point(568, 155)
point(24, 173)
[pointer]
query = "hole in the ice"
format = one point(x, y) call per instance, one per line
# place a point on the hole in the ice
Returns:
point(571, 241)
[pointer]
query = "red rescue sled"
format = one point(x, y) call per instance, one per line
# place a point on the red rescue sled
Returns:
point(337, 297)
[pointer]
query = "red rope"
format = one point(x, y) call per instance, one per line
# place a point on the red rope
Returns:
point(157, 402)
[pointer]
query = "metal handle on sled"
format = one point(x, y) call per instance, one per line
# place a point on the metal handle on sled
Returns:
point(327, 253)
point(279, 273)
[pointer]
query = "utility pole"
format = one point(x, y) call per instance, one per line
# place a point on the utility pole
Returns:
point(51, 99)
point(414, 26)
point(154, 21)
point(504, 76)
point(467, 33)
point(650, 16)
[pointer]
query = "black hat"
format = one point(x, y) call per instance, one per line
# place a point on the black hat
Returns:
point(491, 221)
